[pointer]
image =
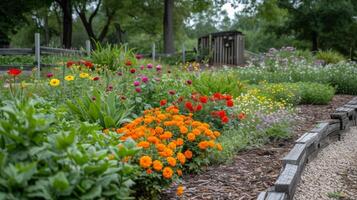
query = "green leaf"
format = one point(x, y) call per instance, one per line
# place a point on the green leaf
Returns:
point(96, 191)
point(59, 182)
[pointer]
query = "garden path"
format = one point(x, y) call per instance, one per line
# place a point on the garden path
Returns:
point(333, 173)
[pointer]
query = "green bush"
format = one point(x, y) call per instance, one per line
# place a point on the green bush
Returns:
point(330, 57)
point(37, 162)
point(315, 93)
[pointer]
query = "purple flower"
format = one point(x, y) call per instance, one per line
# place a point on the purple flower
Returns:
point(149, 66)
point(142, 67)
point(158, 68)
point(136, 83)
point(49, 75)
point(144, 79)
point(138, 90)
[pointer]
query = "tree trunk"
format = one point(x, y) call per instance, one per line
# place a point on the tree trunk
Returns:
point(67, 23)
point(47, 32)
point(119, 32)
point(168, 27)
point(315, 41)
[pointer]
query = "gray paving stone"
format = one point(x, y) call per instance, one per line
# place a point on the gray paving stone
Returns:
point(262, 196)
point(308, 139)
point(320, 128)
point(296, 156)
point(287, 180)
point(276, 196)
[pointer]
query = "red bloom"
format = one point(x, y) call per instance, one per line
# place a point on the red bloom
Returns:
point(88, 64)
point(199, 107)
point(194, 96)
point(241, 116)
point(225, 119)
point(189, 106)
point(228, 97)
point(217, 96)
point(221, 113)
point(139, 56)
point(172, 92)
point(163, 102)
point(70, 63)
point(96, 78)
point(229, 103)
point(49, 75)
point(128, 63)
point(132, 71)
point(180, 99)
point(203, 99)
point(14, 72)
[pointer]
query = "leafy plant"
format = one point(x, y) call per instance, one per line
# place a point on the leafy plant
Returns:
point(77, 162)
point(330, 57)
point(106, 109)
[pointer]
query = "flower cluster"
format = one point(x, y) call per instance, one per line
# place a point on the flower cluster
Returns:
point(170, 142)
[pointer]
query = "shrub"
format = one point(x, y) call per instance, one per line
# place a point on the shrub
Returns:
point(172, 143)
point(330, 57)
point(71, 163)
point(315, 93)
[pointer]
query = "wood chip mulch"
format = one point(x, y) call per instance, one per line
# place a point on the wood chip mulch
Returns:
point(253, 170)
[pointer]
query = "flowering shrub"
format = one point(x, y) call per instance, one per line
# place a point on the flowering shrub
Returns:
point(171, 143)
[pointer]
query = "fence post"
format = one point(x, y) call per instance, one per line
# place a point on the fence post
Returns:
point(153, 52)
point(125, 47)
point(88, 47)
point(38, 54)
point(183, 54)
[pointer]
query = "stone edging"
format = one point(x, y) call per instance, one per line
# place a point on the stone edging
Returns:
point(307, 147)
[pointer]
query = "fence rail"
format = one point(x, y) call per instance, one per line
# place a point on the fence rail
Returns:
point(43, 51)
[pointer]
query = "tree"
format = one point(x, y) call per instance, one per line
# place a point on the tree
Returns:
point(168, 27)
point(67, 21)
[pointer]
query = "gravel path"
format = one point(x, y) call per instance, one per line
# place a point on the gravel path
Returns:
point(325, 177)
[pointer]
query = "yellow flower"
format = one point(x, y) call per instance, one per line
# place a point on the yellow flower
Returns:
point(69, 78)
point(54, 82)
point(83, 75)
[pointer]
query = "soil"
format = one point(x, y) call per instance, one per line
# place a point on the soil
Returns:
point(253, 170)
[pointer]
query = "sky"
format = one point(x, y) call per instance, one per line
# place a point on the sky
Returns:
point(230, 10)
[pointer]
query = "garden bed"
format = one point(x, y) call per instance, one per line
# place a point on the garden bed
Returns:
point(254, 170)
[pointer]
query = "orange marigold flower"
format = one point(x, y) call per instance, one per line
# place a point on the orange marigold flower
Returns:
point(180, 190)
point(144, 144)
point(159, 130)
point(161, 116)
point(188, 154)
point(145, 161)
point(172, 145)
point(196, 131)
point(160, 147)
point(149, 171)
point(183, 129)
point(171, 161)
point(219, 147)
point(167, 172)
point(216, 133)
point(166, 135)
point(179, 141)
point(191, 137)
point(153, 139)
point(211, 143)
point(181, 157)
point(157, 165)
point(203, 145)
point(179, 172)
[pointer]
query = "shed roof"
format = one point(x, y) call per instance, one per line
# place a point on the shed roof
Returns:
point(223, 33)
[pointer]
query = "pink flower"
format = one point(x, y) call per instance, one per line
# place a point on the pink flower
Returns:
point(49, 75)
point(136, 83)
point(158, 68)
point(142, 67)
point(120, 73)
point(138, 90)
point(144, 79)
point(149, 66)
point(139, 56)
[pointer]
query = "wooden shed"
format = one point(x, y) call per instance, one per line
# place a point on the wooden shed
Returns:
point(223, 48)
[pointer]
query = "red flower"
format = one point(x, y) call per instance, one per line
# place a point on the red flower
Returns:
point(70, 63)
point(225, 119)
point(128, 63)
point(241, 116)
point(194, 96)
point(172, 92)
point(221, 113)
point(228, 97)
point(88, 64)
point(139, 56)
point(189, 82)
point(199, 107)
point(203, 99)
point(163, 102)
point(96, 78)
point(217, 96)
point(180, 99)
point(229, 103)
point(49, 75)
point(132, 71)
point(14, 72)
point(189, 106)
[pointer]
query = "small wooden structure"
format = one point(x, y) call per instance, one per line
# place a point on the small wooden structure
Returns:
point(223, 48)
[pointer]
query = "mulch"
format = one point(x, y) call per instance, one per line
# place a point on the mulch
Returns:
point(253, 170)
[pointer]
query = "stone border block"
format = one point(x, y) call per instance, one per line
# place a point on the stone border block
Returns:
point(297, 156)
point(262, 196)
point(276, 196)
point(287, 180)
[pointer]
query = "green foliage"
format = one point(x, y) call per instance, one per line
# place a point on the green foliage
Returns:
point(112, 56)
point(329, 57)
point(315, 93)
point(210, 82)
point(38, 162)
point(105, 109)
